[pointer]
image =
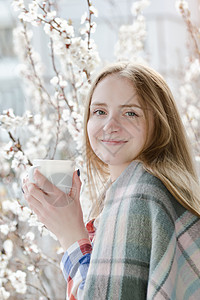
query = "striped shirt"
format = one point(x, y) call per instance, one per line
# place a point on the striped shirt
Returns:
point(75, 264)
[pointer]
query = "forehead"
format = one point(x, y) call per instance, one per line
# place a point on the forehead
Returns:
point(115, 88)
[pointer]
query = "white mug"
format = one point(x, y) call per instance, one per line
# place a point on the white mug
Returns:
point(58, 172)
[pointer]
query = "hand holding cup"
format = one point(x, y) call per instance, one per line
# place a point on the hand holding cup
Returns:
point(61, 213)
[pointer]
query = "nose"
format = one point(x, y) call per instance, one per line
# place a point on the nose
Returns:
point(112, 125)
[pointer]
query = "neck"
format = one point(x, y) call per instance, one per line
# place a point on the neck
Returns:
point(116, 170)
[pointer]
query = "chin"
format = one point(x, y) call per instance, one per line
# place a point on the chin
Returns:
point(114, 161)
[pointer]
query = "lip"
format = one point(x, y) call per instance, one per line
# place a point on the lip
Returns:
point(113, 142)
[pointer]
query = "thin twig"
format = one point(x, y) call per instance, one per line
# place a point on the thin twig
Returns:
point(73, 82)
point(58, 107)
point(57, 74)
point(193, 130)
point(19, 147)
point(38, 289)
point(191, 28)
point(89, 21)
point(42, 285)
point(29, 53)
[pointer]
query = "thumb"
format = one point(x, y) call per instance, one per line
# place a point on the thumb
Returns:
point(76, 186)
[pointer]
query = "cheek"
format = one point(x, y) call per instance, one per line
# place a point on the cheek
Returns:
point(91, 131)
point(89, 128)
point(94, 129)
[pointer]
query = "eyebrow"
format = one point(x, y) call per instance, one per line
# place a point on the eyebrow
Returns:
point(121, 106)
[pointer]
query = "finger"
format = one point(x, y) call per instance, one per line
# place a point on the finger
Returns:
point(76, 187)
point(51, 194)
point(24, 186)
point(34, 203)
point(43, 183)
point(36, 192)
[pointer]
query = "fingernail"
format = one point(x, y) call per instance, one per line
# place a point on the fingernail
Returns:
point(78, 172)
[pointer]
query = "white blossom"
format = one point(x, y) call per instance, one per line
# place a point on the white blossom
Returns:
point(4, 294)
point(193, 72)
point(18, 281)
point(83, 18)
point(58, 80)
point(64, 27)
point(24, 214)
point(8, 247)
point(18, 4)
point(33, 9)
point(94, 11)
point(181, 4)
point(19, 160)
point(51, 15)
point(9, 205)
point(47, 28)
point(9, 121)
point(193, 112)
point(32, 248)
point(65, 114)
point(31, 268)
point(92, 27)
point(4, 228)
point(131, 39)
point(139, 6)
point(63, 83)
point(8, 227)
point(54, 81)
point(33, 220)
point(30, 236)
point(8, 150)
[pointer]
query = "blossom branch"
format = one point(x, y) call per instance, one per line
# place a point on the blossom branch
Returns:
point(43, 256)
point(191, 28)
point(38, 289)
point(73, 82)
point(89, 21)
point(197, 142)
point(57, 132)
point(42, 285)
point(19, 147)
point(38, 79)
point(58, 108)
point(51, 21)
point(57, 74)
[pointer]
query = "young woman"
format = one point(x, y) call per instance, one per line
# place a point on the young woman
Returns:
point(144, 239)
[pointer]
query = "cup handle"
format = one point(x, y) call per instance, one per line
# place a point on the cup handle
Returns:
point(30, 173)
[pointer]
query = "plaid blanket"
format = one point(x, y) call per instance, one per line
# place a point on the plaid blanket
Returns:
point(147, 246)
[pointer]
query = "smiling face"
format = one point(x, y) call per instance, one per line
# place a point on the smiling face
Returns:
point(116, 127)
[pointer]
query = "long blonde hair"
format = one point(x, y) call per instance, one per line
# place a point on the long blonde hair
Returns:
point(167, 156)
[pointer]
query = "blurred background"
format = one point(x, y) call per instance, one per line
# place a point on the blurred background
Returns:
point(166, 42)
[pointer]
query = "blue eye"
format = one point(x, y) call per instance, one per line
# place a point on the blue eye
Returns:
point(131, 114)
point(99, 112)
